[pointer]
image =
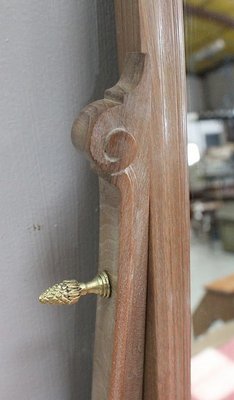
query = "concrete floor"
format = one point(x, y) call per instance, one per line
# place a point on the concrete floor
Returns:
point(208, 262)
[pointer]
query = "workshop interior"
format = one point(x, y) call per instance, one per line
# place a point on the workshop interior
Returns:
point(209, 43)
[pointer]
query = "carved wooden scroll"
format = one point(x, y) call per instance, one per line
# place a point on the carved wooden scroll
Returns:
point(114, 133)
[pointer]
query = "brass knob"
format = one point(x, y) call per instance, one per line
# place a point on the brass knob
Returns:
point(69, 292)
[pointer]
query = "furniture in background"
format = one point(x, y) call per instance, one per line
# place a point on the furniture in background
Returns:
point(217, 304)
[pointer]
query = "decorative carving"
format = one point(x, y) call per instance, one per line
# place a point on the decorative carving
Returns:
point(104, 129)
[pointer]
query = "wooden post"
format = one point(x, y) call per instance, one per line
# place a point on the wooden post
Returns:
point(156, 27)
point(136, 141)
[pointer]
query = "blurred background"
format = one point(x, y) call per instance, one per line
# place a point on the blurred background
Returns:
point(209, 42)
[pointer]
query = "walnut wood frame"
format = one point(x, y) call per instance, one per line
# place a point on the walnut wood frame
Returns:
point(136, 141)
point(156, 28)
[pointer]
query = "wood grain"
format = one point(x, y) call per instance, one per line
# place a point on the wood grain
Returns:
point(122, 135)
point(160, 34)
point(113, 133)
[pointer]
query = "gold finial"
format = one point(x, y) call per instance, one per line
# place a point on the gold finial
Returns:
point(69, 292)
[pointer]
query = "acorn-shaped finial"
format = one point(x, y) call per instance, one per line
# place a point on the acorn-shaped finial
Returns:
point(66, 292)
point(69, 292)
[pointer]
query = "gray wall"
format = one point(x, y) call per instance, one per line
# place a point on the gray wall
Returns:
point(55, 56)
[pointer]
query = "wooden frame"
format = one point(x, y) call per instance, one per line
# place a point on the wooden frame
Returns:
point(156, 27)
point(136, 141)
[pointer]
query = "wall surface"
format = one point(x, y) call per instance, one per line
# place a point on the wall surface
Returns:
point(55, 56)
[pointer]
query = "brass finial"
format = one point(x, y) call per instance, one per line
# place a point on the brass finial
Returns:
point(69, 292)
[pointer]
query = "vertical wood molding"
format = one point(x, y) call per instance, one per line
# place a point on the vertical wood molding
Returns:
point(167, 362)
point(128, 33)
point(160, 34)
